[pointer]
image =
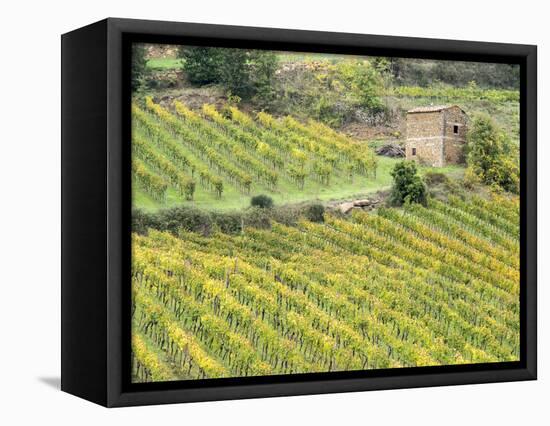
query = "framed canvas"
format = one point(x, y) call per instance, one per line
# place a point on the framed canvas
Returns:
point(257, 212)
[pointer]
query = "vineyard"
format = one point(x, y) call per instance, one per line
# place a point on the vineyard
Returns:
point(212, 157)
point(457, 94)
point(419, 286)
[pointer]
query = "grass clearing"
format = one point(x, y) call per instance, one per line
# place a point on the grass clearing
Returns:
point(163, 63)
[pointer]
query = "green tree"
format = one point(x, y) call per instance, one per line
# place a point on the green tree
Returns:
point(364, 82)
point(202, 65)
point(490, 155)
point(407, 184)
point(245, 73)
point(139, 66)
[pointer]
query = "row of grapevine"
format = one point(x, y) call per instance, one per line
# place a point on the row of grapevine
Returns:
point(209, 154)
point(485, 212)
point(449, 226)
point(146, 153)
point(470, 93)
point(359, 156)
point(153, 184)
point(225, 142)
point(248, 140)
point(476, 225)
point(173, 150)
point(182, 347)
point(146, 365)
point(292, 154)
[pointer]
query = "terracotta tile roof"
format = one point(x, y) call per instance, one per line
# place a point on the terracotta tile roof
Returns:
point(431, 108)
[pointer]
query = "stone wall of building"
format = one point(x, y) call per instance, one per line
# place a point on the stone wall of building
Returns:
point(454, 152)
point(455, 129)
point(425, 124)
point(424, 138)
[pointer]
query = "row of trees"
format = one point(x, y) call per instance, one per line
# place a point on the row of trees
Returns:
point(426, 72)
point(244, 73)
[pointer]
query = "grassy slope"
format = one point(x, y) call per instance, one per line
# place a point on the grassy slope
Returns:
point(286, 192)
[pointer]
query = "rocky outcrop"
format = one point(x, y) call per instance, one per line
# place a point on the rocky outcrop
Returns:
point(365, 204)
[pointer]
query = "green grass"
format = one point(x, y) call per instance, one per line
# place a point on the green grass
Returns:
point(305, 56)
point(173, 63)
point(163, 63)
point(453, 171)
point(287, 193)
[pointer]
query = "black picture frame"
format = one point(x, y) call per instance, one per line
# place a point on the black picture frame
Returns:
point(96, 212)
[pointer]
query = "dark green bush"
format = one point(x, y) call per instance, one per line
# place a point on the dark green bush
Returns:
point(141, 221)
point(229, 223)
point(287, 215)
point(407, 184)
point(261, 201)
point(188, 218)
point(257, 218)
point(315, 212)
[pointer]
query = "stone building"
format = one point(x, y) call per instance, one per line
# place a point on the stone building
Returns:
point(436, 135)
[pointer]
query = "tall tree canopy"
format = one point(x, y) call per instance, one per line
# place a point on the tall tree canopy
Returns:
point(491, 155)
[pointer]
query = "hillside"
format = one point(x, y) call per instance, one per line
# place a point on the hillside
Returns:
point(348, 260)
point(431, 286)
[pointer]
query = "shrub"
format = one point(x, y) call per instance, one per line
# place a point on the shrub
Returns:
point(188, 218)
point(315, 212)
point(333, 92)
point(435, 178)
point(257, 218)
point(261, 201)
point(287, 215)
point(228, 222)
point(142, 221)
point(427, 72)
point(407, 185)
point(471, 179)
